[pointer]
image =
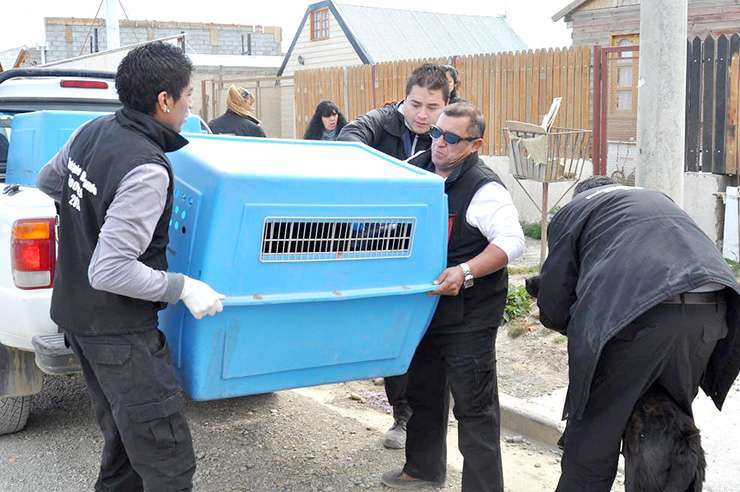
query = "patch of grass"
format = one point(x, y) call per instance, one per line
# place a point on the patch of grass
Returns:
point(532, 230)
point(559, 339)
point(518, 304)
point(516, 330)
point(734, 265)
point(522, 270)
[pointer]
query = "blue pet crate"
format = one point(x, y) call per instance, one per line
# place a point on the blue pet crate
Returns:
point(325, 251)
point(36, 136)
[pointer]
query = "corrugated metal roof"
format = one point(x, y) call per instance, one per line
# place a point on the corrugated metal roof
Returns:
point(394, 34)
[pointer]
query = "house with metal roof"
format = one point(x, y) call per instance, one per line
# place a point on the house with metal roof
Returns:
point(335, 35)
point(617, 22)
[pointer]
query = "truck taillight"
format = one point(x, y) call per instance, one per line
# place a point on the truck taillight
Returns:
point(33, 253)
point(84, 84)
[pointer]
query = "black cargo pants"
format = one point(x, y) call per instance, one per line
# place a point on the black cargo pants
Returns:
point(669, 345)
point(464, 364)
point(139, 407)
point(395, 391)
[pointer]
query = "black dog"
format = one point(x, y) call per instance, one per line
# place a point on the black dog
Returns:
point(661, 445)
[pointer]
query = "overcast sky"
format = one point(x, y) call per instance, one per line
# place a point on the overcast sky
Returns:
point(21, 22)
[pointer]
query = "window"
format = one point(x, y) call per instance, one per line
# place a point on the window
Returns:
point(623, 76)
point(319, 24)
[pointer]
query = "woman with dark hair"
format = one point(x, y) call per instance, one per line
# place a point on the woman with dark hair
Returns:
point(453, 79)
point(326, 122)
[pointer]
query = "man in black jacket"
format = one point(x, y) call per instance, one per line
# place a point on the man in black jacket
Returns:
point(401, 130)
point(114, 186)
point(457, 352)
point(645, 298)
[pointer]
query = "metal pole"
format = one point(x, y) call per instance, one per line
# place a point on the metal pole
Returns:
point(596, 142)
point(112, 33)
point(661, 106)
point(543, 223)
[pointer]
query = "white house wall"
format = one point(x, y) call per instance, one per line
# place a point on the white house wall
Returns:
point(333, 52)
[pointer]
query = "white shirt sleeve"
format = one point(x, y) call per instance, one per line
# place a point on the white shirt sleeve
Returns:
point(493, 213)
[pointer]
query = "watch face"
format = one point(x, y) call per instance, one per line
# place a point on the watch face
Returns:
point(468, 282)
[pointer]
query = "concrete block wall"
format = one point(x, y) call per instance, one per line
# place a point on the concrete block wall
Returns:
point(68, 37)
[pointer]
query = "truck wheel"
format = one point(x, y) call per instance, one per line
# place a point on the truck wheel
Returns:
point(14, 412)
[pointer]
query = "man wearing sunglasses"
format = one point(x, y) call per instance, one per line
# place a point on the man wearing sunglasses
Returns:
point(457, 352)
point(401, 130)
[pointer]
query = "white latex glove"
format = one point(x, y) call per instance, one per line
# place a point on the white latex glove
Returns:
point(200, 298)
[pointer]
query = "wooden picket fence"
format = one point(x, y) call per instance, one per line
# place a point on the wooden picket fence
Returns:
point(713, 105)
point(505, 86)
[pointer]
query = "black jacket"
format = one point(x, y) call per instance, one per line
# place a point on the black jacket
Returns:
point(231, 123)
point(616, 252)
point(482, 305)
point(103, 152)
point(385, 130)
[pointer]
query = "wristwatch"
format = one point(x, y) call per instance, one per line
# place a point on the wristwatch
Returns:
point(469, 279)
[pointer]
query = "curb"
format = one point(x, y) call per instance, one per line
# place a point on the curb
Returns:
point(529, 420)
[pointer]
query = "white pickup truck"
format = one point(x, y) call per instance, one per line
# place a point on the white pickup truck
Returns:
point(29, 341)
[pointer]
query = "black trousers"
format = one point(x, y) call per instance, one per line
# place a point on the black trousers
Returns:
point(139, 407)
point(669, 345)
point(465, 364)
point(395, 390)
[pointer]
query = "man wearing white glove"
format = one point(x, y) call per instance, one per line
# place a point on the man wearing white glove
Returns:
point(114, 186)
point(200, 298)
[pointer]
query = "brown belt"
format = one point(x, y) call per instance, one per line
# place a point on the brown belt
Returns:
point(716, 297)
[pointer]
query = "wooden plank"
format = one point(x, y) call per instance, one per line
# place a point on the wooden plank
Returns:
point(480, 83)
point(473, 74)
point(522, 86)
point(514, 90)
point(707, 140)
point(503, 96)
point(576, 89)
point(556, 88)
point(546, 82)
point(586, 88)
point(469, 76)
point(513, 81)
point(733, 111)
point(497, 106)
point(693, 104)
point(535, 94)
point(571, 89)
point(732, 137)
point(486, 104)
point(720, 95)
point(527, 89)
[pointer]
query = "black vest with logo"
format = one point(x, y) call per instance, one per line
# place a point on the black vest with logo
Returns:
point(102, 153)
point(482, 305)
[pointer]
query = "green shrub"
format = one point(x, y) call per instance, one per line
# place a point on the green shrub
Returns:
point(518, 303)
point(532, 230)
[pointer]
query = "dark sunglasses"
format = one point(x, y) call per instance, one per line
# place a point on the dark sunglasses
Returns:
point(450, 138)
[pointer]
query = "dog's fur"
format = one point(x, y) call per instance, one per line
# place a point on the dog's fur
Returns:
point(661, 445)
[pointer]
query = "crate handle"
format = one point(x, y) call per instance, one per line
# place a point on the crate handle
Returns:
point(322, 296)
